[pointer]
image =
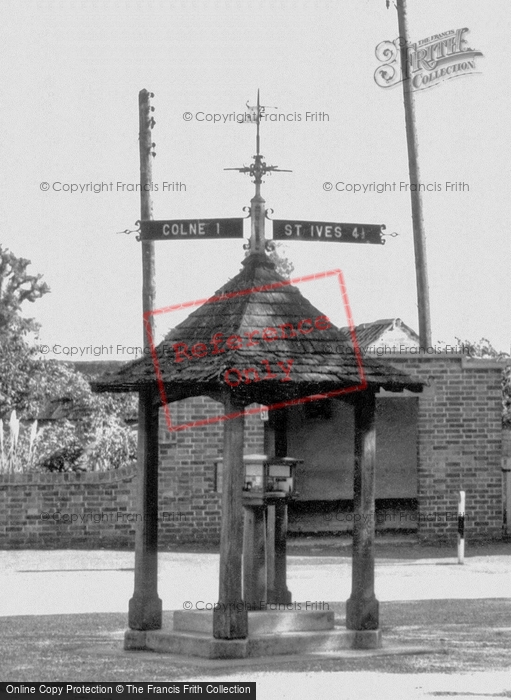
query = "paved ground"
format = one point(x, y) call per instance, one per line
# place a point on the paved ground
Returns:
point(62, 617)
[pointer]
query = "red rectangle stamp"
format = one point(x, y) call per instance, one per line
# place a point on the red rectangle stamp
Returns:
point(184, 354)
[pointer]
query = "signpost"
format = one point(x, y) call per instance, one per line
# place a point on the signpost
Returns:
point(327, 231)
point(229, 620)
point(180, 229)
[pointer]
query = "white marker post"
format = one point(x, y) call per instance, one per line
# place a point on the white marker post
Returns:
point(461, 528)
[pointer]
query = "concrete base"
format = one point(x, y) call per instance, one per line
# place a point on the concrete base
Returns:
point(367, 639)
point(270, 633)
point(259, 622)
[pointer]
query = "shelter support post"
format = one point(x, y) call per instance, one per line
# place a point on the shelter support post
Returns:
point(278, 591)
point(276, 446)
point(362, 611)
point(145, 607)
point(254, 557)
point(230, 619)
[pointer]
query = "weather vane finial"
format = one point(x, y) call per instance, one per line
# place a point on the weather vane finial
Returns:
point(258, 168)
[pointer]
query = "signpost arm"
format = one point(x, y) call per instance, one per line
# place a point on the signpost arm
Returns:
point(145, 607)
point(419, 234)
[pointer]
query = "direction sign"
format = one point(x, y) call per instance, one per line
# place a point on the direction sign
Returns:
point(190, 229)
point(327, 231)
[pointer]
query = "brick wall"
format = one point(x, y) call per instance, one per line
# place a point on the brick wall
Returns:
point(99, 509)
point(459, 448)
point(67, 510)
point(188, 469)
point(459, 445)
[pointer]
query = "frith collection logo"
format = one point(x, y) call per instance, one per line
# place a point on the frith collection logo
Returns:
point(428, 62)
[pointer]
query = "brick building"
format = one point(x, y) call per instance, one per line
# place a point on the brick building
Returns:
point(429, 447)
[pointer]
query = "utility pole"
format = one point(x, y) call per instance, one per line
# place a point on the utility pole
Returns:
point(145, 607)
point(146, 146)
point(419, 234)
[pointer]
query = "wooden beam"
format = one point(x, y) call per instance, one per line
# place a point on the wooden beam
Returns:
point(145, 608)
point(230, 619)
point(362, 608)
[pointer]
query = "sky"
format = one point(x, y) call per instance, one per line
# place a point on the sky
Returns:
point(71, 76)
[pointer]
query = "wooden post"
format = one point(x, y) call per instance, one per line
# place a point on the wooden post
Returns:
point(276, 528)
point(145, 608)
point(362, 606)
point(254, 557)
point(280, 594)
point(230, 619)
point(270, 553)
point(145, 143)
point(419, 234)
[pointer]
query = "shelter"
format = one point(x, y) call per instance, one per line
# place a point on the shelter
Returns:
point(256, 340)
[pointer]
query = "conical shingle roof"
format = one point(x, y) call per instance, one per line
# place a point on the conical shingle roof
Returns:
point(259, 337)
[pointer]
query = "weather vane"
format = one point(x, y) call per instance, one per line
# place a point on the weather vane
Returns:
point(257, 210)
point(259, 168)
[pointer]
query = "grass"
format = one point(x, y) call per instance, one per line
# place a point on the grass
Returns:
point(468, 635)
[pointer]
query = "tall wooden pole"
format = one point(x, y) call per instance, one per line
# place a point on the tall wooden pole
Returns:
point(230, 619)
point(362, 609)
point(419, 234)
point(146, 207)
point(145, 607)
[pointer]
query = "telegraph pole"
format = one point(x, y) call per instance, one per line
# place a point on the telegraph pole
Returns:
point(145, 607)
point(419, 234)
point(146, 145)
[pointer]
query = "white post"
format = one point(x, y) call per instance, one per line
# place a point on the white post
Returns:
point(461, 528)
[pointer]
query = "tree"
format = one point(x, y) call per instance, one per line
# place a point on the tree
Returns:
point(506, 396)
point(96, 427)
point(282, 264)
point(483, 349)
point(17, 286)
point(93, 435)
